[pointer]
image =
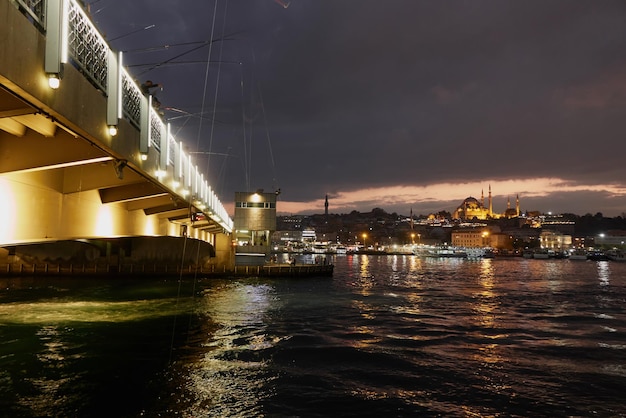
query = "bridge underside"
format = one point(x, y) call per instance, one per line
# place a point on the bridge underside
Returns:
point(56, 184)
point(63, 175)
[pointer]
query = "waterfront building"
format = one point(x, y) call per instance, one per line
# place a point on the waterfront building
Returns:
point(254, 224)
point(554, 240)
point(611, 239)
point(470, 238)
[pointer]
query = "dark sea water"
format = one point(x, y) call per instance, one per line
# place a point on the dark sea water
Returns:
point(386, 336)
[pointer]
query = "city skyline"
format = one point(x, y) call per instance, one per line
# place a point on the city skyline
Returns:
point(399, 104)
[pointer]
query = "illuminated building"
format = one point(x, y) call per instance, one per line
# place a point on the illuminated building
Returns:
point(472, 238)
point(255, 221)
point(555, 240)
point(472, 208)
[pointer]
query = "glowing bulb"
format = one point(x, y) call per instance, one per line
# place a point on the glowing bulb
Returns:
point(53, 81)
point(112, 130)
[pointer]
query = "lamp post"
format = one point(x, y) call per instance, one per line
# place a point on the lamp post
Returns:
point(364, 237)
point(412, 238)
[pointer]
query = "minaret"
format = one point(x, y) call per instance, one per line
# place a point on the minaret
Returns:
point(490, 204)
point(517, 205)
point(326, 206)
point(508, 203)
point(482, 197)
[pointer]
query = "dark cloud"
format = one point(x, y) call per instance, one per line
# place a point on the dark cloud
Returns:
point(328, 96)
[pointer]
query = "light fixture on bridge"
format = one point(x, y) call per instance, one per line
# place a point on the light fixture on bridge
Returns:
point(160, 174)
point(144, 156)
point(54, 80)
point(112, 130)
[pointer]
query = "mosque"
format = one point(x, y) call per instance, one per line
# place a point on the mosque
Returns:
point(472, 208)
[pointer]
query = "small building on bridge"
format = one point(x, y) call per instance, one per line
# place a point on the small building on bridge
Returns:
point(254, 224)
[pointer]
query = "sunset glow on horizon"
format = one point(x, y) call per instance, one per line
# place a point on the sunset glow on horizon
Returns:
point(440, 196)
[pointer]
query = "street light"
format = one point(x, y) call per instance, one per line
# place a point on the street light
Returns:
point(412, 238)
point(364, 237)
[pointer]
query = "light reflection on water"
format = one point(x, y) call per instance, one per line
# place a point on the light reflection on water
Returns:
point(228, 379)
point(386, 336)
point(64, 311)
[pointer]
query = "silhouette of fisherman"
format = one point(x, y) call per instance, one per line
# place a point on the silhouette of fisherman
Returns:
point(146, 89)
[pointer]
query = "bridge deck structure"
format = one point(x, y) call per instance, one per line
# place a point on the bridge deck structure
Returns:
point(84, 154)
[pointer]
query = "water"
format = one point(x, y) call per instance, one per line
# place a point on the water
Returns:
point(387, 336)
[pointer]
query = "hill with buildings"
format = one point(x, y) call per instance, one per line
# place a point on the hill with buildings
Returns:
point(379, 229)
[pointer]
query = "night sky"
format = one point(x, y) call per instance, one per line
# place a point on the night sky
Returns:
point(396, 104)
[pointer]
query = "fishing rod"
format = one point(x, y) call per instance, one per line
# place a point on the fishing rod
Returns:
point(132, 32)
point(174, 58)
point(197, 115)
point(230, 37)
point(160, 64)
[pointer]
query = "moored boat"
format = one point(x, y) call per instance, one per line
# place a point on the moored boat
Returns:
point(597, 255)
point(616, 255)
point(578, 254)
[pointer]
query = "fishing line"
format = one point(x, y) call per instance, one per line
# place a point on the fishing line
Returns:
point(180, 281)
point(243, 125)
point(210, 43)
point(160, 64)
point(168, 46)
point(206, 76)
point(217, 86)
point(267, 134)
point(202, 109)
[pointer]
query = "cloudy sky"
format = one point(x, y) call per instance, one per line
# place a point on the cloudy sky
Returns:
point(396, 104)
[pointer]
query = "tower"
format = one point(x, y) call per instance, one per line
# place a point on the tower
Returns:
point(326, 206)
point(517, 205)
point(490, 203)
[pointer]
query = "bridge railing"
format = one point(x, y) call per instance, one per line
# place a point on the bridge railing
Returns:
point(34, 9)
point(71, 35)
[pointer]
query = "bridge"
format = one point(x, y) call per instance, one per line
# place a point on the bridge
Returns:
point(84, 154)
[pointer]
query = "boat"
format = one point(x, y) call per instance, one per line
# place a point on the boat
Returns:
point(541, 254)
point(448, 252)
point(597, 255)
point(616, 255)
point(475, 253)
point(528, 253)
point(341, 249)
point(578, 254)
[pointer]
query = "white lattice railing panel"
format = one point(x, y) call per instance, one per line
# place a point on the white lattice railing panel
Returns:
point(87, 47)
point(34, 9)
point(131, 99)
point(171, 157)
point(155, 130)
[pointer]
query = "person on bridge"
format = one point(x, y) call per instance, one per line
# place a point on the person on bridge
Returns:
point(146, 89)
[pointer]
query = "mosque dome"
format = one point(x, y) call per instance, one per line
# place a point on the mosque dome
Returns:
point(471, 208)
point(471, 203)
